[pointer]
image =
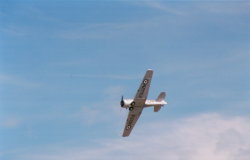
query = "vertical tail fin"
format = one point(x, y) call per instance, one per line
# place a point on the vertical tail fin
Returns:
point(160, 98)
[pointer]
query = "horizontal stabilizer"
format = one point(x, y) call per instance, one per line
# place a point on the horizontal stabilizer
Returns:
point(157, 108)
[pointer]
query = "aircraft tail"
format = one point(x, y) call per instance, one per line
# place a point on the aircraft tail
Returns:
point(160, 98)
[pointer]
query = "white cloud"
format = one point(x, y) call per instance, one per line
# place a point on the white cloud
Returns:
point(206, 137)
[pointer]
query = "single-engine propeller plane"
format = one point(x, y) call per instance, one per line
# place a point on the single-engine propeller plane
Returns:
point(139, 102)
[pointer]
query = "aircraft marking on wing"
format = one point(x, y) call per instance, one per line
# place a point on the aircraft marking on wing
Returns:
point(130, 121)
point(144, 84)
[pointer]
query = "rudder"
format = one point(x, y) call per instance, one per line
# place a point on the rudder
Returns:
point(160, 98)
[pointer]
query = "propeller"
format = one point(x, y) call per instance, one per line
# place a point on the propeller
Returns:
point(122, 102)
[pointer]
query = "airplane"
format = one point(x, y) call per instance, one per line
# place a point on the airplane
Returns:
point(139, 102)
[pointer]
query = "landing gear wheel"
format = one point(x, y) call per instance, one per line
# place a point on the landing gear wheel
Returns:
point(131, 108)
point(133, 104)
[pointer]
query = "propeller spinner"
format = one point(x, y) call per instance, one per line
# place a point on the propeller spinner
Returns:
point(122, 102)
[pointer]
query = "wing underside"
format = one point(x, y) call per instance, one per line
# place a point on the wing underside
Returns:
point(139, 102)
point(133, 116)
point(142, 92)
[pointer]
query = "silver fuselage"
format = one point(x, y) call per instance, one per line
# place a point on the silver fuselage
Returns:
point(148, 103)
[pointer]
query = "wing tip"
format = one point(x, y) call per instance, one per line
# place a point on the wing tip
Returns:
point(124, 135)
point(150, 72)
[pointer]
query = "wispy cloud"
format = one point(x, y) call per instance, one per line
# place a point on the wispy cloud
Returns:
point(17, 81)
point(33, 14)
point(11, 122)
point(238, 57)
point(101, 111)
point(163, 7)
point(105, 76)
point(98, 30)
point(208, 136)
point(12, 30)
point(224, 6)
point(186, 14)
point(110, 75)
point(88, 115)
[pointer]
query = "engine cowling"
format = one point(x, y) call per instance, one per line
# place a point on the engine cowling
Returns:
point(126, 103)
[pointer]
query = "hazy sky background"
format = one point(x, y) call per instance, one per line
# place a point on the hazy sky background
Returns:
point(65, 64)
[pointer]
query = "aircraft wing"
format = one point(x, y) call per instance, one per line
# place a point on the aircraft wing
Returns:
point(142, 92)
point(138, 103)
point(133, 116)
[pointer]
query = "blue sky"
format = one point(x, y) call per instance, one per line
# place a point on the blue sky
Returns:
point(65, 64)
